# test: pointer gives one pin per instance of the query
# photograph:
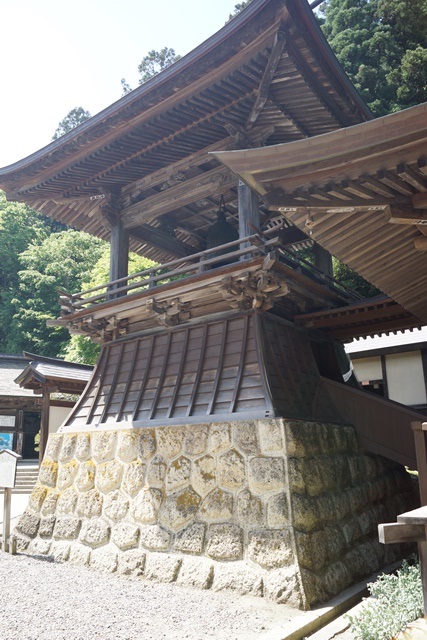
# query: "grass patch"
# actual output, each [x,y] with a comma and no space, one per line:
[396,600]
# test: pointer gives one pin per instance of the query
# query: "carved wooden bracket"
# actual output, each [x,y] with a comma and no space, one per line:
[102,330]
[171,313]
[253,291]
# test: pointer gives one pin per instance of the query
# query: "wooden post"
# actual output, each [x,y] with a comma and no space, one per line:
[44,421]
[119,250]
[6,517]
[419,429]
[323,260]
[249,220]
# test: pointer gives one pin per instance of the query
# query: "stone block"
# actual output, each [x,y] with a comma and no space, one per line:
[128,445]
[28,524]
[22,544]
[37,497]
[89,504]
[162,567]
[296,440]
[179,509]
[337,578]
[83,448]
[239,577]
[109,476]
[48,472]
[278,510]
[305,510]
[67,501]
[231,470]
[356,469]
[178,473]
[170,441]
[133,479]
[195,439]
[50,502]
[343,474]
[68,447]
[104,445]
[53,446]
[156,472]
[296,475]
[249,509]
[219,437]
[146,505]
[314,475]
[195,572]
[351,531]
[104,560]
[66,474]
[39,547]
[47,525]
[131,563]
[191,539]
[80,555]
[125,535]
[312,550]
[60,552]
[95,532]
[116,506]
[147,443]
[244,436]
[154,537]
[270,434]
[203,475]
[225,542]
[284,587]
[85,479]
[217,506]
[271,549]
[266,474]
[66,528]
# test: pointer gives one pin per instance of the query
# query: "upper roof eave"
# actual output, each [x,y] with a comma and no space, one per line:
[79,139]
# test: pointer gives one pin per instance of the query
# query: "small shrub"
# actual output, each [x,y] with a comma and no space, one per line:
[396,600]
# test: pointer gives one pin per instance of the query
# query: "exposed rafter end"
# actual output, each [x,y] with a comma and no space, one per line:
[420,244]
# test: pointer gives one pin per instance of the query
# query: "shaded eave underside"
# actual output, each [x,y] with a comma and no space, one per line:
[187,108]
[347,187]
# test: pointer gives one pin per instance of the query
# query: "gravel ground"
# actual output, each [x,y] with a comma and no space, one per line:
[50,601]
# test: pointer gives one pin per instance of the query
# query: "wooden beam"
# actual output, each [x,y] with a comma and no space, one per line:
[420,243]
[211,183]
[161,175]
[406,215]
[393,182]
[269,71]
[412,177]
[278,200]
[162,240]
[119,251]
[419,200]
[397,532]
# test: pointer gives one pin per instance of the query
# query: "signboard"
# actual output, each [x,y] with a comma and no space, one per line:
[8,460]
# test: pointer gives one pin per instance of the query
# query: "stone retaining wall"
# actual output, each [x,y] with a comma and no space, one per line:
[284,509]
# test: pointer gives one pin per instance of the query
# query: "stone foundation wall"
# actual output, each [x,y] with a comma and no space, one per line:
[284,509]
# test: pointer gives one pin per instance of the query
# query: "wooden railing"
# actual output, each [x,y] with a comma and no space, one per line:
[243,249]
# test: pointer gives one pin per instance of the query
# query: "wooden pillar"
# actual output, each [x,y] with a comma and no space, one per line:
[119,251]
[323,260]
[249,220]
[44,421]
[419,431]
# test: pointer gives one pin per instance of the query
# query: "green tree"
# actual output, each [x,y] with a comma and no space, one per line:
[382,46]
[156,61]
[238,8]
[19,227]
[61,261]
[76,116]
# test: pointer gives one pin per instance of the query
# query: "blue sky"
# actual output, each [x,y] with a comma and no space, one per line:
[57,55]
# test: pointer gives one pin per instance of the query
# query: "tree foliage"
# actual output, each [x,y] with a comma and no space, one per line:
[382,46]
[60,261]
[156,61]
[76,116]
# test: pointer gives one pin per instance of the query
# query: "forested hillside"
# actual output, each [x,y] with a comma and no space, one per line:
[381,44]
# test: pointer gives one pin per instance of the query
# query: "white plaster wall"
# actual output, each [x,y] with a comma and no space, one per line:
[57,416]
[368,369]
[405,378]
